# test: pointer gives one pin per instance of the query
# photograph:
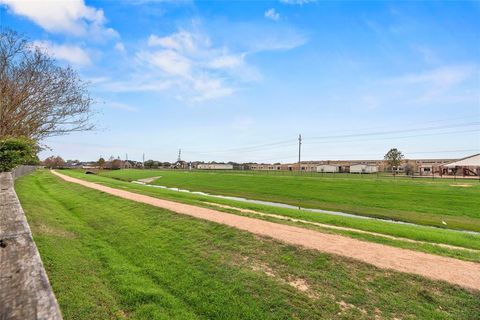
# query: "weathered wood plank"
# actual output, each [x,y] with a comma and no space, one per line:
[25,291]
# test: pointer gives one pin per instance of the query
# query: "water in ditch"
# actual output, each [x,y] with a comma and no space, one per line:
[288,206]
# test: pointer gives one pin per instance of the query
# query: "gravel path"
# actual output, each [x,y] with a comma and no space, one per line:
[463,273]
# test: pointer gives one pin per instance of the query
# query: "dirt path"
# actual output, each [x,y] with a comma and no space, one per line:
[329,226]
[463,273]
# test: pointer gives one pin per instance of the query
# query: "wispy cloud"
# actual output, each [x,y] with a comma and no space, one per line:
[447,85]
[190,59]
[272,14]
[70,17]
[70,53]
[428,55]
[437,84]
[119,47]
[193,67]
[297,2]
[120,106]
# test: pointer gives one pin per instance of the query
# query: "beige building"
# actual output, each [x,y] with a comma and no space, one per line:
[415,166]
[363,168]
[328,168]
[215,166]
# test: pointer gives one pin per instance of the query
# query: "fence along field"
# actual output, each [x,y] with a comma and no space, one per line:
[442,202]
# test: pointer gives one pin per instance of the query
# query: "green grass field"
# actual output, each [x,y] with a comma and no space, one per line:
[109,258]
[420,201]
[426,234]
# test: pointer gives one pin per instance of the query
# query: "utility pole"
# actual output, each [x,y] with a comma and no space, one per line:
[299,152]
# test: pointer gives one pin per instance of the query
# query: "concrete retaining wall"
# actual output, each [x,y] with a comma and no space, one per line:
[25,291]
[22,170]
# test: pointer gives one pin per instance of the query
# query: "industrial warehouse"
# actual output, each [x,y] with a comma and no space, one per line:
[468,166]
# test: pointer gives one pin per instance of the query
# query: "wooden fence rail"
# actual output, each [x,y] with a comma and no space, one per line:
[25,291]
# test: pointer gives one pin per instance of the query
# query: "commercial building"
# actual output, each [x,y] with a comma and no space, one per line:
[215,166]
[363,168]
[469,166]
[328,168]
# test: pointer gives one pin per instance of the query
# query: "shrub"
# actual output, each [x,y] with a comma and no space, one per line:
[15,151]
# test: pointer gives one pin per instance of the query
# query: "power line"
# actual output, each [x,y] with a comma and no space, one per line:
[412,123]
[395,131]
[284,143]
[394,138]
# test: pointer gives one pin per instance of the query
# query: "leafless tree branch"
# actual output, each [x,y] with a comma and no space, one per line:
[39,98]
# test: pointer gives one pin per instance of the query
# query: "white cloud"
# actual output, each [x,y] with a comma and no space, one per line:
[120,47]
[210,88]
[120,106]
[181,41]
[194,68]
[436,84]
[428,55]
[442,78]
[70,53]
[200,70]
[70,17]
[136,84]
[227,61]
[169,61]
[272,14]
[297,2]
[447,85]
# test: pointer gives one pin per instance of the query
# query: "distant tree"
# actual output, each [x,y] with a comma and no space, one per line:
[408,169]
[101,163]
[116,164]
[394,158]
[148,164]
[15,151]
[54,162]
[39,98]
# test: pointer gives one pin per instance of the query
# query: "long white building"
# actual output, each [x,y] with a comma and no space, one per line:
[215,166]
[363,168]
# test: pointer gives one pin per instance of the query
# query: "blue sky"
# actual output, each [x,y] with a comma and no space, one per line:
[239,80]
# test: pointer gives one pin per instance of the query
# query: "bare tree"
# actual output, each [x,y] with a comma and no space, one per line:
[53,162]
[38,97]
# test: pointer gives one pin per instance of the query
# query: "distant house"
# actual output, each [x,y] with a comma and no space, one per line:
[128,164]
[180,164]
[328,168]
[215,166]
[363,168]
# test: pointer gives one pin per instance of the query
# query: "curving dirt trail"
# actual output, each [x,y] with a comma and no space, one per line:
[462,273]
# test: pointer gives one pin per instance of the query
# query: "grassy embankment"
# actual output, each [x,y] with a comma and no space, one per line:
[426,234]
[112,258]
[420,201]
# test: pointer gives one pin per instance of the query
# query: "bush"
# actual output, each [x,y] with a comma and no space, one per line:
[15,151]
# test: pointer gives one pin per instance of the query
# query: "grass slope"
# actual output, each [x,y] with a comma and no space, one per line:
[420,233]
[421,201]
[109,258]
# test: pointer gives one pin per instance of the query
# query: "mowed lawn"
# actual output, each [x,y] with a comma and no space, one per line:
[421,201]
[109,258]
